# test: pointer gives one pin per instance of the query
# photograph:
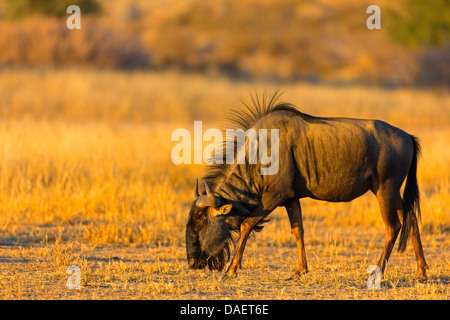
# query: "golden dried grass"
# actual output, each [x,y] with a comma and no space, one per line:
[79,172]
[95,164]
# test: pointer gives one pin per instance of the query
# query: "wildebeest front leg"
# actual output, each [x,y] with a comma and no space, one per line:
[246,227]
[295,217]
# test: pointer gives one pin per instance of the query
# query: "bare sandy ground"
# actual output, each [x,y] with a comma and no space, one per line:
[337,270]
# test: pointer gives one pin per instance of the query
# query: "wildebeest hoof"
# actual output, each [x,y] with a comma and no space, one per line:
[422,276]
[296,275]
[227,276]
[422,272]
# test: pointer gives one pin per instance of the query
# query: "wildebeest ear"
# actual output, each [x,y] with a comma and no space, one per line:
[223,210]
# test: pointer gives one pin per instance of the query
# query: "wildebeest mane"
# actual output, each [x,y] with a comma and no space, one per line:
[245,118]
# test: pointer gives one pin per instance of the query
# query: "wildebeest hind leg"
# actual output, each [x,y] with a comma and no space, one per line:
[418,249]
[295,217]
[390,204]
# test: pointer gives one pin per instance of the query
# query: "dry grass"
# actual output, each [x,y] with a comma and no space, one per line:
[86,179]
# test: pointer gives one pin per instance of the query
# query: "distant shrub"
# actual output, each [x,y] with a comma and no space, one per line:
[435,66]
[16,9]
[420,23]
[284,39]
[47,41]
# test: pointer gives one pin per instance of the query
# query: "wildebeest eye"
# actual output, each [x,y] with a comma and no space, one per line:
[200,213]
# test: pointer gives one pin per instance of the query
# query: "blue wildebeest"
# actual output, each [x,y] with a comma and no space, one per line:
[330,159]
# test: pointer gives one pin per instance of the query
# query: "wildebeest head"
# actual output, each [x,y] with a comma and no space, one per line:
[207,235]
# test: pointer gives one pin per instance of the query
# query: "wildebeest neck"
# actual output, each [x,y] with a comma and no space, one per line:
[237,189]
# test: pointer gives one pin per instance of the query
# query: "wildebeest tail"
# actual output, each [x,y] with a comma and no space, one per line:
[411,198]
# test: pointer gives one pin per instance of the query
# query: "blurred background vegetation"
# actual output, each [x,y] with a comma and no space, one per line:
[284,40]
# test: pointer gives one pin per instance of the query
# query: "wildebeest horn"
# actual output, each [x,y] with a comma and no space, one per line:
[214,201]
[196,189]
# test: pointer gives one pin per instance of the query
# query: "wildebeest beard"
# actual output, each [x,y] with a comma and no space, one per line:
[215,240]
[209,237]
